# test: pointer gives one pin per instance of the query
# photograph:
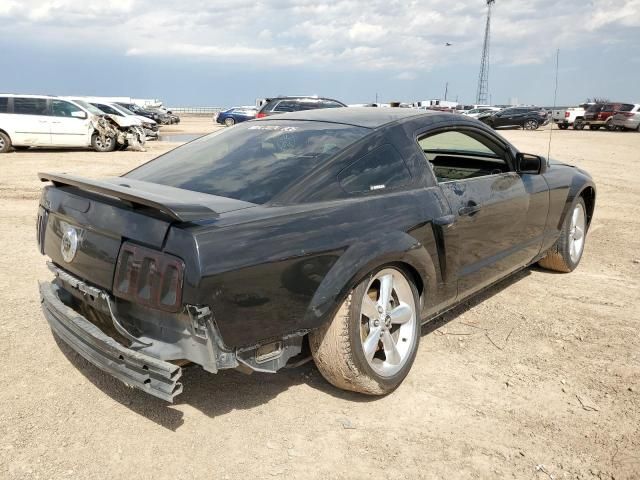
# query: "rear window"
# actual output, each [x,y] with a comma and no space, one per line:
[4,104]
[626,107]
[253,161]
[30,106]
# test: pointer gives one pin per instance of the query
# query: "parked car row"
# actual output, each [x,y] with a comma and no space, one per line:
[274,106]
[609,115]
[50,121]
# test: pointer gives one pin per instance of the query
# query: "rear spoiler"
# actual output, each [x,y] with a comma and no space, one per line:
[171,206]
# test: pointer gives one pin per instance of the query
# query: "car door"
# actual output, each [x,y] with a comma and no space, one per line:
[498,216]
[70,125]
[31,121]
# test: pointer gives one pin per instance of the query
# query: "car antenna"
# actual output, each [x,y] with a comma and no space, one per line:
[555,98]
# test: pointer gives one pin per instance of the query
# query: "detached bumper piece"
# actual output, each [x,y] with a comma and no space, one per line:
[153,376]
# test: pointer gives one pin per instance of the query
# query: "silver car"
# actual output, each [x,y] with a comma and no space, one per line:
[627,118]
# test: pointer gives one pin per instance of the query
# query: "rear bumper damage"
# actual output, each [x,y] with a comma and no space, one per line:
[189,336]
[156,377]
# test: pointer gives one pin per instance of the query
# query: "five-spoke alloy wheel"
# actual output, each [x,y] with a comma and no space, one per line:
[565,255]
[370,344]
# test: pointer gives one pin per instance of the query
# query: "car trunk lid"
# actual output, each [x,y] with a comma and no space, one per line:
[82,223]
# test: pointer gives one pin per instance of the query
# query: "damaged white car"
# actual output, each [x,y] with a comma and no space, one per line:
[48,121]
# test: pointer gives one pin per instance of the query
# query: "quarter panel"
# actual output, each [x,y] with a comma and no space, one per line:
[287,270]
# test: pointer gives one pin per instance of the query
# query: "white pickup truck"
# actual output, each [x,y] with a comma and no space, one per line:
[572,116]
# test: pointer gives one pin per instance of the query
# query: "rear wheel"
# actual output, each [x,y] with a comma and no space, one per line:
[372,341]
[5,143]
[229,122]
[563,126]
[530,125]
[103,144]
[565,255]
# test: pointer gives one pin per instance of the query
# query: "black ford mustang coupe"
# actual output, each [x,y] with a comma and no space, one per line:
[334,233]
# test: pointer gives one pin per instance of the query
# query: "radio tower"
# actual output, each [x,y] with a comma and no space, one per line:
[483,79]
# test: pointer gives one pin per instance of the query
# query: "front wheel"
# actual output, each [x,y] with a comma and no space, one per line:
[565,255]
[5,142]
[229,122]
[530,125]
[103,144]
[578,124]
[371,343]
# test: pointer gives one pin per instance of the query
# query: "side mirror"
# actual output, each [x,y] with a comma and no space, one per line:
[530,164]
[79,114]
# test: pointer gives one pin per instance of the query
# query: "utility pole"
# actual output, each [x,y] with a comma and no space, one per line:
[446,90]
[483,78]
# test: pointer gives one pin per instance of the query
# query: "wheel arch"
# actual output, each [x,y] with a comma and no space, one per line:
[588,194]
[397,249]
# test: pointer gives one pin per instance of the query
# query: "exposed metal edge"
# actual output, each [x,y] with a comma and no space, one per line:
[151,375]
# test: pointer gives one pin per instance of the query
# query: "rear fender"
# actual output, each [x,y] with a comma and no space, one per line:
[358,262]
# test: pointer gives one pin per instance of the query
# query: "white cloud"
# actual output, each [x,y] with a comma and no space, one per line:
[406,76]
[402,35]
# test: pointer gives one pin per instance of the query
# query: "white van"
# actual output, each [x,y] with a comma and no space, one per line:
[47,121]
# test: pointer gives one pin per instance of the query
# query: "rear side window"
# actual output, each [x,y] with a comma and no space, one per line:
[381,169]
[30,106]
[626,107]
[4,104]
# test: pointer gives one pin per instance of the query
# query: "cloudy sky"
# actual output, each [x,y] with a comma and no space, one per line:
[226,52]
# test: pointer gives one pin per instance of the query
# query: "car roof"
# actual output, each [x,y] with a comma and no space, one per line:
[368,117]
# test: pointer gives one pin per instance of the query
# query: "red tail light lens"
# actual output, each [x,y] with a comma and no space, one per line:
[149,277]
[261,115]
[566,114]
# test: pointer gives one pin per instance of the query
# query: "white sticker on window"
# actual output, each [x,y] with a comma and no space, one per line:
[273,127]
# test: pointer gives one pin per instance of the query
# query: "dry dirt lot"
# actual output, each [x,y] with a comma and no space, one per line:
[539,378]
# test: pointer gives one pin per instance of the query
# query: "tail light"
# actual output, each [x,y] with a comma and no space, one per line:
[149,277]
[261,115]
[566,114]
[627,114]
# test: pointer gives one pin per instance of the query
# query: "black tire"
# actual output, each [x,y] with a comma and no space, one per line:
[108,144]
[337,346]
[229,122]
[558,258]
[5,143]
[530,125]
[578,124]
[563,127]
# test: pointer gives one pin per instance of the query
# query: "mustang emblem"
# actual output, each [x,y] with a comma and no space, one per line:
[69,243]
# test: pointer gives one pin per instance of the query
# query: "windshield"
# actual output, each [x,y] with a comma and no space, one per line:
[253,161]
[90,108]
[121,109]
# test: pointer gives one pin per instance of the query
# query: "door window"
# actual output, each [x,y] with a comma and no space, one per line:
[381,169]
[460,155]
[30,106]
[60,108]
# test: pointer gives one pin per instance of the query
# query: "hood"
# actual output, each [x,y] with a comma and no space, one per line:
[145,119]
[125,122]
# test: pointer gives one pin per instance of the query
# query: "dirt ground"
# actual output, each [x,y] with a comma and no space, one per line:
[538,378]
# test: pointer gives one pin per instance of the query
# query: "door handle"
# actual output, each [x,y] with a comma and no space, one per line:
[470,209]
